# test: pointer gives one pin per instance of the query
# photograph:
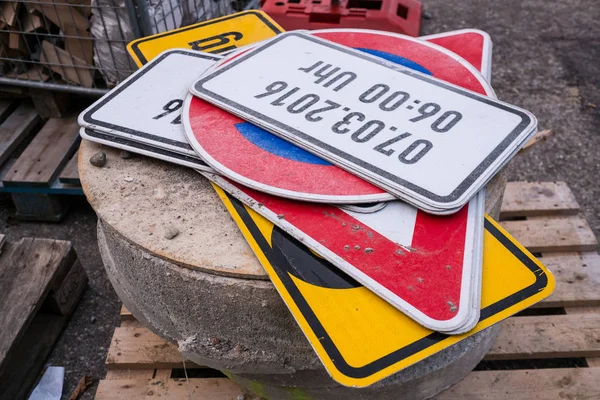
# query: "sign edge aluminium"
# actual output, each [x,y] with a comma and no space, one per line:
[122,143]
[486,62]
[458,196]
[86,118]
[363,376]
[140,58]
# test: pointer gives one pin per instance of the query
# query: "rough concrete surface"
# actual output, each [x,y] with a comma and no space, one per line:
[546,59]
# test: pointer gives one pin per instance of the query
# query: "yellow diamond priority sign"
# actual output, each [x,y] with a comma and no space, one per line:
[359,337]
[215,36]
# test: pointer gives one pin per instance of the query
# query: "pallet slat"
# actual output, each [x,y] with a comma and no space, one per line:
[552,336]
[16,128]
[137,374]
[558,234]
[591,361]
[47,153]
[6,107]
[70,173]
[576,334]
[138,348]
[534,199]
[547,336]
[544,384]
[207,388]
[40,283]
[577,279]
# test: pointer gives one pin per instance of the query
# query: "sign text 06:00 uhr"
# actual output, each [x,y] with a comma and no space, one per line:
[379,94]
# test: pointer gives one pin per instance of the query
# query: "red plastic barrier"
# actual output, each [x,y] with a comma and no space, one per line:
[401,16]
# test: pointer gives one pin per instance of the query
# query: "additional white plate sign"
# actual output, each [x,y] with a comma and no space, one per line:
[415,136]
[146,108]
[143,149]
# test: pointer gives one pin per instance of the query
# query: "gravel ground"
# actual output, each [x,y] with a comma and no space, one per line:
[546,59]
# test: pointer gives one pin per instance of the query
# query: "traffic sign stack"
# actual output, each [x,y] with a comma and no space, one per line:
[354,162]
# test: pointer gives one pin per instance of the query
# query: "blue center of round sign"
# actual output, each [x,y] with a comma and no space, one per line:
[282,148]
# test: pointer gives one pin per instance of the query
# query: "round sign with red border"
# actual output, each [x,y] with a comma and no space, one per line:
[260,160]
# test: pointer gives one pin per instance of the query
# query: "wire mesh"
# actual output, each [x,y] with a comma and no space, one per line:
[80,45]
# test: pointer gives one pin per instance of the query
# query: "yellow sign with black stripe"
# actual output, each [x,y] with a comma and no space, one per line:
[359,337]
[215,36]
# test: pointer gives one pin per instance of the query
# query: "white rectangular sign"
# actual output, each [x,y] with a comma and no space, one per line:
[413,135]
[144,149]
[147,106]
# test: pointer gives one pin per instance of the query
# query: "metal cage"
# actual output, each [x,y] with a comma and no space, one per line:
[79,46]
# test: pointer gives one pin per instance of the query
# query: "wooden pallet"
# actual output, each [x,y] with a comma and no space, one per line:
[41,282]
[37,165]
[544,218]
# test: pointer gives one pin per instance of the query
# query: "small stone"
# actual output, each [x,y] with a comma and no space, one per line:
[146,256]
[98,159]
[214,341]
[427,15]
[125,155]
[357,247]
[171,232]
[241,397]
[128,179]
[346,247]
[93,320]
[368,250]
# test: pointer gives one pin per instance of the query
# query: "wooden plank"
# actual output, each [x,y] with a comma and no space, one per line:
[540,384]
[125,314]
[138,348]
[529,199]
[558,234]
[16,128]
[577,279]
[131,323]
[547,336]
[68,18]
[70,173]
[540,136]
[591,361]
[29,272]
[163,373]
[207,388]
[24,362]
[136,374]
[6,107]
[66,293]
[51,104]
[71,68]
[43,159]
